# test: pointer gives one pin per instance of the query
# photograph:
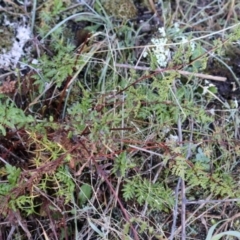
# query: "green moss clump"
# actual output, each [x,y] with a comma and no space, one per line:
[123,9]
[6,36]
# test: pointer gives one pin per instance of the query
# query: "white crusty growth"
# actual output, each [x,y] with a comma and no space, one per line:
[10,58]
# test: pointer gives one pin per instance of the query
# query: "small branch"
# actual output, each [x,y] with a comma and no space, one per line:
[175,211]
[183,189]
[205,76]
[145,150]
[213,201]
[183,213]
[152,6]
[12,154]
[6,74]
[185,73]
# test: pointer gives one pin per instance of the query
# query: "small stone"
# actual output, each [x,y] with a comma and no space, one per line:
[145,27]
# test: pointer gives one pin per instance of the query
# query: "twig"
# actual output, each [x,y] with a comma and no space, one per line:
[11,13]
[189,151]
[6,74]
[152,7]
[183,213]
[175,212]
[12,154]
[183,190]
[205,76]
[213,201]
[145,150]
[186,73]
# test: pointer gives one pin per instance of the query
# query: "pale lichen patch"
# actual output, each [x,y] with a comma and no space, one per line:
[15,37]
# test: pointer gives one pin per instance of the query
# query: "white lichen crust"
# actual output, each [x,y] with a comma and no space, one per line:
[9,57]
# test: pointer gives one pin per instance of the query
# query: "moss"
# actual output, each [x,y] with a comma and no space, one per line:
[123,9]
[6,36]
[7,32]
